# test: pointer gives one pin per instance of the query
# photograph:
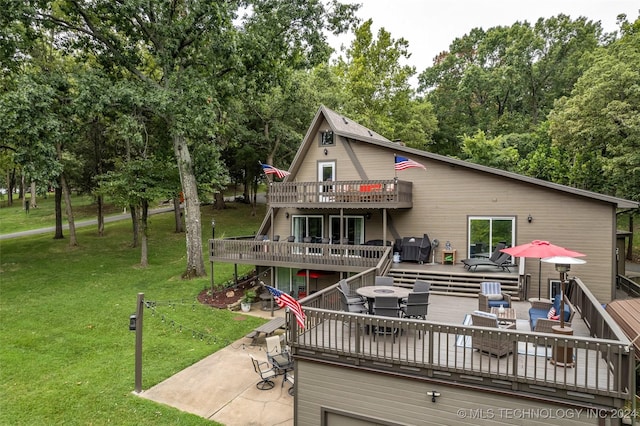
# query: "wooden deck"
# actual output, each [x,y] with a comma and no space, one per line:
[440,348]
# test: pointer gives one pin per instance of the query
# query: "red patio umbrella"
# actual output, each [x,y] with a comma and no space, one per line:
[540,249]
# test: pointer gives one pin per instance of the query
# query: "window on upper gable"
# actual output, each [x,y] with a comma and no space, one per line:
[326,138]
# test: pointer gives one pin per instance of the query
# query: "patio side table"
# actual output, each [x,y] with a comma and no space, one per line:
[449,257]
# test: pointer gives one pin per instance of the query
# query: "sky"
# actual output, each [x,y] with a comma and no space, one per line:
[431,26]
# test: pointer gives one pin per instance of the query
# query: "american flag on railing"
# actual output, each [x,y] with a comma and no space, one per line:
[270,170]
[284,300]
[403,163]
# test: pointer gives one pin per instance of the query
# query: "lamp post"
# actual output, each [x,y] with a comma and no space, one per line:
[563,352]
[213,236]
[563,265]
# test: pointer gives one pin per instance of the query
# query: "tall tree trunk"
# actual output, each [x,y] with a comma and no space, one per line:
[33,199]
[58,208]
[98,159]
[100,216]
[73,241]
[67,202]
[135,223]
[195,258]
[219,201]
[144,251]
[24,198]
[177,215]
[629,255]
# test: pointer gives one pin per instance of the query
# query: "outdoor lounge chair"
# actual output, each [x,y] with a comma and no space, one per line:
[503,261]
[478,258]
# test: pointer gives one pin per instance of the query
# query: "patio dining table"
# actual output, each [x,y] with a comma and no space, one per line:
[371,291]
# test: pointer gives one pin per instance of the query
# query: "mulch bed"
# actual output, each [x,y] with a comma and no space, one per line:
[227,295]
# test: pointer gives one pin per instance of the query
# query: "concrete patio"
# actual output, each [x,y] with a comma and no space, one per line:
[222,387]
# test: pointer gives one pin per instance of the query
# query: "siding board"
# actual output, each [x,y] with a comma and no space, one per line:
[404,401]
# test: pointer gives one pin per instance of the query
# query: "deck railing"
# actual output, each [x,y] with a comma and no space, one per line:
[627,285]
[599,369]
[390,193]
[339,257]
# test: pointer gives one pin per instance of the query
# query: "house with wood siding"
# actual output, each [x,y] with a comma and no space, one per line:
[344,211]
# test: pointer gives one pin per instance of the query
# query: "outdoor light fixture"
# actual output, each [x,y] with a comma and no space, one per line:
[368,215]
[213,228]
[433,395]
[326,151]
[530,218]
[132,322]
[286,215]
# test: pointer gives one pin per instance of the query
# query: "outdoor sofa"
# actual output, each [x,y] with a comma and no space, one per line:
[539,314]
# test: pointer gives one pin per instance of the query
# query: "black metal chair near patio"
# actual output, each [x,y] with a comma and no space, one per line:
[352,296]
[420,286]
[417,306]
[386,306]
[356,306]
[265,373]
[384,280]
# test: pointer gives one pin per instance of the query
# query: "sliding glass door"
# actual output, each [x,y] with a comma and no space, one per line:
[486,232]
[353,228]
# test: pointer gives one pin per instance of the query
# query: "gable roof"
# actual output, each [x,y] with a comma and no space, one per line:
[348,128]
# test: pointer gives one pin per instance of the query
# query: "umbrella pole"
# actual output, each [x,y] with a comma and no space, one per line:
[539,277]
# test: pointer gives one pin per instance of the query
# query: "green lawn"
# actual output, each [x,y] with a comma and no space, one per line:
[67,355]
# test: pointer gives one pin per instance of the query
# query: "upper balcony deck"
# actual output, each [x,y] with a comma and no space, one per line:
[369,194]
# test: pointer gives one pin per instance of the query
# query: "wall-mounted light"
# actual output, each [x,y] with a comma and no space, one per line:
[326,151]
[132,322]
[529,218]
[286,215]
[433,395]
[368,215]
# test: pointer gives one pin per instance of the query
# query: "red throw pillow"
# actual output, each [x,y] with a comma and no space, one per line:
[556,317]
[551,313]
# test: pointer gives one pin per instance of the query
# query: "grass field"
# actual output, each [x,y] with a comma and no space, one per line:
[67,355]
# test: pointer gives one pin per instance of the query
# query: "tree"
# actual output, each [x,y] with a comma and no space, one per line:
[489,152]
[376,89]
[599,124]
[185,55]
[504,80]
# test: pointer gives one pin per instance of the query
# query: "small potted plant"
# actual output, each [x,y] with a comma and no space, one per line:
[247,300]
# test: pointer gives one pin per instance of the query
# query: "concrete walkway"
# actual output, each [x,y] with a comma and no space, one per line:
[222,387]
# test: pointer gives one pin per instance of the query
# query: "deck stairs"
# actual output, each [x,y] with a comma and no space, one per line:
[455,282]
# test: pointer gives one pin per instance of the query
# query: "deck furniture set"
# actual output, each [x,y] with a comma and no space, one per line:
[279,363]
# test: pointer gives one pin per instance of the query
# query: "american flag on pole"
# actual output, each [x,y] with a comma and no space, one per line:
[270,170]
[284,300]
[403,163]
